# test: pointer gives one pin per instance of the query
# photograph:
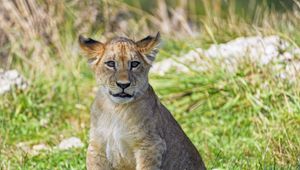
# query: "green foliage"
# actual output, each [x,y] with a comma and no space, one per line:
[245,120]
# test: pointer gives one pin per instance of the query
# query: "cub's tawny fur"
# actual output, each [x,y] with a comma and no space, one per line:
[130,128]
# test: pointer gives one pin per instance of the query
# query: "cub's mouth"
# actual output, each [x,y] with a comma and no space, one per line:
[121,95]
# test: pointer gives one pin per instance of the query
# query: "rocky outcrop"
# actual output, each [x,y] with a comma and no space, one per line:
[281,54]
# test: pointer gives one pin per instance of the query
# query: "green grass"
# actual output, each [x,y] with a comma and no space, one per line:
[246,120]
[239,121]
[55,102]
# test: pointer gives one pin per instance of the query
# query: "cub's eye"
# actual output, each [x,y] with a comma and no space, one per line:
[134,64]
[111,64]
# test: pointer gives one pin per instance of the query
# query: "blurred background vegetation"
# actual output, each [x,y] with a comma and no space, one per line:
[220,112]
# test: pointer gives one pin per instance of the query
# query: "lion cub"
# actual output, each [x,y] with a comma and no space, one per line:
[130,128]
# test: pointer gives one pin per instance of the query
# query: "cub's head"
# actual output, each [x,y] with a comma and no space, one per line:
[121,65]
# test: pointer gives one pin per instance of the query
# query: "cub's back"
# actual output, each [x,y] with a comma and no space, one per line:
[180,154]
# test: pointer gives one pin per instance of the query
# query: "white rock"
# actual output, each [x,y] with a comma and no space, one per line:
[4,86]
[69,143]
[256,49]
[10,79]
[11,74]
[40,147]
[18,81]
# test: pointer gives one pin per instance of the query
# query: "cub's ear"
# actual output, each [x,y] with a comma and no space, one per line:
[149,47]
[94,49]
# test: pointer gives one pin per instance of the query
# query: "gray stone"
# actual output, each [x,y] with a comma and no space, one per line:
[10,79]
[70,143]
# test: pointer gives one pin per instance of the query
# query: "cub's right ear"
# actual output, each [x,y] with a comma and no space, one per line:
[94,49]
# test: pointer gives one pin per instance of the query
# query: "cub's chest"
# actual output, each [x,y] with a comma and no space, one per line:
[117,135]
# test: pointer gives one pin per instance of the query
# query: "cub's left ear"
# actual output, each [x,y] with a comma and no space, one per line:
[149,47]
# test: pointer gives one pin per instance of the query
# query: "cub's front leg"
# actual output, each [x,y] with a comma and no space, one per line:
[96,158]
[149,155]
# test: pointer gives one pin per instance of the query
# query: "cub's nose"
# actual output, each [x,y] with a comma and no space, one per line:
[123,85]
